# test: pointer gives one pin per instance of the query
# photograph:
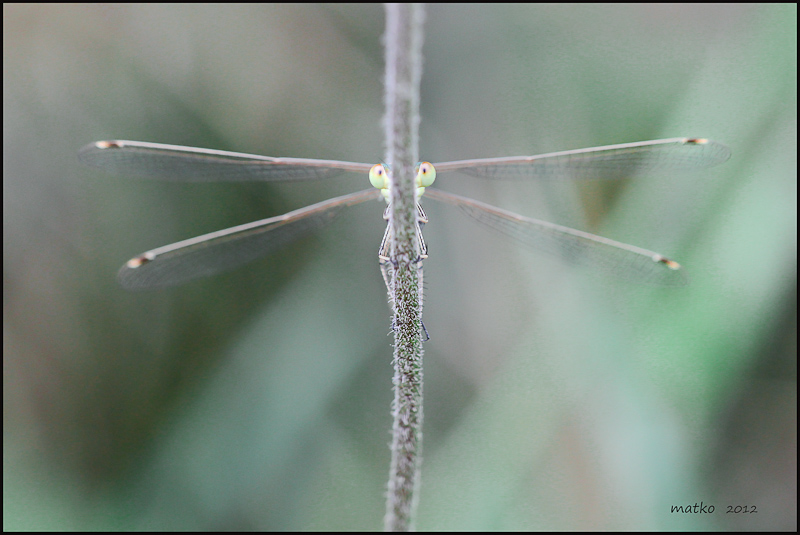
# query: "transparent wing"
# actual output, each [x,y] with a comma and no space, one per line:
[624,261]
[191,164]
[612,161]
[226,249]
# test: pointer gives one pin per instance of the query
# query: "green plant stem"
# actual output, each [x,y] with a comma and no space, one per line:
[403,42]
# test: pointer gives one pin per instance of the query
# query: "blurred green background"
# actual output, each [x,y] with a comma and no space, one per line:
[259,399]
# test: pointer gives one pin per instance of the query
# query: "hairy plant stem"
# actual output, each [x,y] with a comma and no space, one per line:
[403,41]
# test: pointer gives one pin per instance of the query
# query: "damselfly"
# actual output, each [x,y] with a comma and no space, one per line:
[225,249]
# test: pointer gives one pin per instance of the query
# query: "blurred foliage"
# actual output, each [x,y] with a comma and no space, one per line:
[260,399]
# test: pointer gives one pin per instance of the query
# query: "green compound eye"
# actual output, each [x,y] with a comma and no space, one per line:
[426,174]
[378,176]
